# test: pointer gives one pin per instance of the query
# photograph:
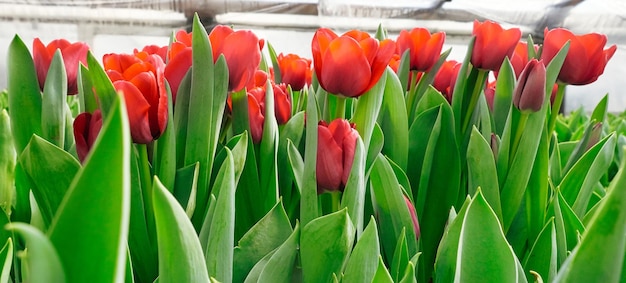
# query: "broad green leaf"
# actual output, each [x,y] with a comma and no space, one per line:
[53,102]
[376,145]
[180,253]
[209,88]
[268,152]
[409,274]
[51,171]
[102,86]
[368,107]
[296,163]
[363,261]
[505,84]
[393,121]
[325,244]
[275,66]
[424,85]
[572,224]
[382,274]
[484,254]
[266,235]
[164,154]
[538,191]
[459,101]
[86,227]
[279,267]
[7,162]
[353,197]
[400,257]
[542,257]
[219,249]
[577,185]
[24,96]
[186,187]
[308,186]
[7,254]
[404,71]
[41,259]
[446,260]
[599,112]
[482,172]
[600,254]
[86,96]
[391,208]
[255,273]
[292,131]
[181,117]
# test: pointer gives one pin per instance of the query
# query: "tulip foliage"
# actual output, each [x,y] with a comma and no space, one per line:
[205,161]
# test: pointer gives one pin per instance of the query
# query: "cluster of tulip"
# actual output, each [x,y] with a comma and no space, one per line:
[223,164]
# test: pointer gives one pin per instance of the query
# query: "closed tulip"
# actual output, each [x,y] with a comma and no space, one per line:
[586,57]
[416,225]
[530,91]
[295,70]
[242,51]
[140,79]
[350,64]
[424,47]
[446,78]
[336,143]
[72,53]
[493,44]
[86,129]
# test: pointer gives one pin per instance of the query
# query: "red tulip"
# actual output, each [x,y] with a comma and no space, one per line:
[530,91]
[242,50]
[446,78]
[336,143]
[295,70]
[351,64]
[86,129]
[140,79]
[179,61]
[493,44]
[73,53]
[154,49]
[490,94]
[394,63]
[586,58]
[416,225]
[424,47]
[520,57]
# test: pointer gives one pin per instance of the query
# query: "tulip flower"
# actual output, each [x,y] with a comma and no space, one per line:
[350,64]
[295,70]
[424,47]
[416,225]
[336,143]
[446,78]
[86,129]
[154,49]
[140,78]
[242,50]
[530,91]
[493,44]
[586,57]
[490,94]
[520,57]
[179,61]
[72,53]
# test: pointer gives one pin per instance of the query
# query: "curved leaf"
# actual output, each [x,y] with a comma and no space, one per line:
[363,262]
[42,261]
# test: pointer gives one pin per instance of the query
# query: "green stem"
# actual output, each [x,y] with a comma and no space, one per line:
[478,87]
[335,201]
[556,106]
[340,108]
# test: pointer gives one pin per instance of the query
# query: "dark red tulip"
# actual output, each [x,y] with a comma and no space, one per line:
[424,47]
[530,91]
[86,129]
[295,70]
[140,78]
[179,61]
[351,64]
[336,143]
[586,57]
[493,44]
[446,78]
[490,94]
[416,225]
[73,53]
[242,50]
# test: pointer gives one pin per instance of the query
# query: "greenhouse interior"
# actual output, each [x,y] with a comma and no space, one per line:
[312,141]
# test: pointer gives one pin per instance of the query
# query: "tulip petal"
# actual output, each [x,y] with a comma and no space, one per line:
[137,108]
[345,68]
[217,37]
[73,55]
[282,104]
[255,119]
[329,166]
[42,60]
[319,45]
[177,68]
[383,56]
[242,56]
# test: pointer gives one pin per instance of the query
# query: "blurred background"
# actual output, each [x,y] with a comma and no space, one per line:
[119,26]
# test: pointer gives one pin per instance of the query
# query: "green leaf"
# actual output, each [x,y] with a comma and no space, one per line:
[446,261]
[599,112]
[41,259]
[484,254]
[180,253]
[368,107]
[181,117]
[363,262]
[7,162]
[86,227]
[275,66]
[219,249]
[391,208]
[542,257]
[400,257]
[186,187]
[424,85]
[279,267]
[53,102]
[325,244]
[268,151]
[505,84]
[308,188]
[409,274]
[266,235]
[7,254]
[482,172]
[571,223]
[393,121]
[164,155]
[104,90]
[86,96]
[51,171]
[600,254]
[382,274]
[24,96]
[353,197]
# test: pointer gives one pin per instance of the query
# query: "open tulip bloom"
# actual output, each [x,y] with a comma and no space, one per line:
[384,161]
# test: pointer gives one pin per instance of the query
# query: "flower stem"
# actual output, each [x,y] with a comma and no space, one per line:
[340,109]
[335,201]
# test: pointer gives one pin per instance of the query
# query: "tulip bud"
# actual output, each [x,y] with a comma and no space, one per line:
[416,225]
[86,129]
[336,143]
[530,91]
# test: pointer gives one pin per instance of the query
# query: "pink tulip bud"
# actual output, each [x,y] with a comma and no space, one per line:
[530,91]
